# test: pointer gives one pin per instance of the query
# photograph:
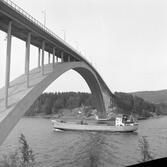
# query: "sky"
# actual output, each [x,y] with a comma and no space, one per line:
[125,40]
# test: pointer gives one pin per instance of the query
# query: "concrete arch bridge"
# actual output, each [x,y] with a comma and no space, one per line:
[18,95]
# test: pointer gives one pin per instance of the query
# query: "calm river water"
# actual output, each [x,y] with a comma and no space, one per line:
[87,149]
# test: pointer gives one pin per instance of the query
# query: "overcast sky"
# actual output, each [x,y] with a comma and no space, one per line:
[126,40]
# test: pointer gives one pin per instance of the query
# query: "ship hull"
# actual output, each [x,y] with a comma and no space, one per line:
[93,127]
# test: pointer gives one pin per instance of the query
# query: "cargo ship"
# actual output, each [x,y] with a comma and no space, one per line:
[120,123]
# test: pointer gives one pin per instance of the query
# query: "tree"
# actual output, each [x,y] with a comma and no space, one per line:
[27,156]
[22,157]
[47,107]
[145,149]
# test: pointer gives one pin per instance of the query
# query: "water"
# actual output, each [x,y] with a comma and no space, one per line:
[84,149]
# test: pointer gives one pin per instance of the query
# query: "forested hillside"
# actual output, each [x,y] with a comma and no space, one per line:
[51,103]
[128,103]
[159,96]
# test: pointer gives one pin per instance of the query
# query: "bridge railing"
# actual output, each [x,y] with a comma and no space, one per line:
[42,26]
[36,22]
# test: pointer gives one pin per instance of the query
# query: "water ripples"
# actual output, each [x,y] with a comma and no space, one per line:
[88,149]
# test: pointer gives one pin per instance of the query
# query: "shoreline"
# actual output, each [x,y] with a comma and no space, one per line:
[55,116]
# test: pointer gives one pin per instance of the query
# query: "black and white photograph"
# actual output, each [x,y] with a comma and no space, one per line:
[83,83]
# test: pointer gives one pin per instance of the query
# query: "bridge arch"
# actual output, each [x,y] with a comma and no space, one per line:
[17,110]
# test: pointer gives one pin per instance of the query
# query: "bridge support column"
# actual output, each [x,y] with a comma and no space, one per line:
[43,51]
[39,57]
[48,58]
[53,62]
[28,42]
[8,60]
[56,59]
[68,58]
[62,56]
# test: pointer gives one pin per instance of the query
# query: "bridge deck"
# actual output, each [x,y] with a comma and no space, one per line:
[18,89]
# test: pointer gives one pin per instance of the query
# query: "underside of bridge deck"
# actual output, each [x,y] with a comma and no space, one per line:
[22,97]
[17,96]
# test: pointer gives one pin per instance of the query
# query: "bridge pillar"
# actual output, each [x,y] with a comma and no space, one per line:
[39,57]
[62,56]
[8,60]
[43,52]
[27,64]
[68,58]
[56,59]
[53,61]
[48,58]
